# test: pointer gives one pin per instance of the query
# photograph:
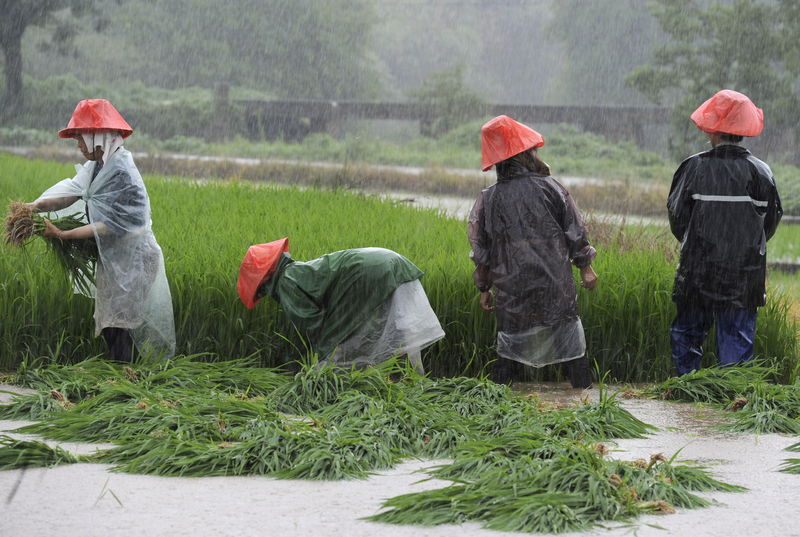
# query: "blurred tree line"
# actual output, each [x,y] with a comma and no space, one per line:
[455,54]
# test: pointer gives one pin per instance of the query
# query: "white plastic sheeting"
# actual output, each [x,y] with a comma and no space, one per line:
[404,324]
[132,289]
[543,345]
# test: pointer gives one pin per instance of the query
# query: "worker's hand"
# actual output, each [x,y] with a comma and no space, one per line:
[50,230]
[588,278]
[33,206]
[487,302]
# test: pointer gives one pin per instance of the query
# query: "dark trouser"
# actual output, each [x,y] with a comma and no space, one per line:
[578,371]
[120,344]
[736,334]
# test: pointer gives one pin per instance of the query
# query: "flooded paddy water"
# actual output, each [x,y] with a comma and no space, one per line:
[89,500]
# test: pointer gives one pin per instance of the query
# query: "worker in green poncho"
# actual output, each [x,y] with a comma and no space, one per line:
[354,307]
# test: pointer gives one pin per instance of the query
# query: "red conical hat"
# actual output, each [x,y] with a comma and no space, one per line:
[95,115]
[258,265]
[502,138]
[729,112]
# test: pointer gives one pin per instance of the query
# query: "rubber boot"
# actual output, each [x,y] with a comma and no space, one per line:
[579,372]
[505,371]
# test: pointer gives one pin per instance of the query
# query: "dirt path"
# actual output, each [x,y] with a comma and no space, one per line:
[87,500]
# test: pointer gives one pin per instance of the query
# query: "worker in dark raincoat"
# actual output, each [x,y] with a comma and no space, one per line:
[354,307]
[526,233]
[723,208]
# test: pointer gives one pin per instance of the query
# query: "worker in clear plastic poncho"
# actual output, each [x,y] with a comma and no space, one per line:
[353,307]
[133,307]
[526,233]
[723,208]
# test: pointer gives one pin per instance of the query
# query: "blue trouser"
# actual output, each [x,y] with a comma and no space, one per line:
[736,334]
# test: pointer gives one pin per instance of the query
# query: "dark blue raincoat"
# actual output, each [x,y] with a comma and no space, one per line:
[723,208]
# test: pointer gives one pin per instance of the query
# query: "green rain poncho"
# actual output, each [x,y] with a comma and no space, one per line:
[330,297]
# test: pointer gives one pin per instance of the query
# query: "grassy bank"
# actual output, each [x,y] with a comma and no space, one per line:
[205,229]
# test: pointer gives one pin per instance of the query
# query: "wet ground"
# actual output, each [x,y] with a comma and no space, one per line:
[88,500]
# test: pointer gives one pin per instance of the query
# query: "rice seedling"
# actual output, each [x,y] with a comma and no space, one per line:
[76,257]
[791,466]
[515,464]
[712,384]
[15,453]
[571,487]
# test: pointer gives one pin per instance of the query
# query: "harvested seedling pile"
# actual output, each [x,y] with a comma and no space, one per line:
[78,257]
[759,404]
[517,465]
[16,453]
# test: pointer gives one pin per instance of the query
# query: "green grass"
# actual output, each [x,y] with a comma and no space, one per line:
[785,244]
[205,229]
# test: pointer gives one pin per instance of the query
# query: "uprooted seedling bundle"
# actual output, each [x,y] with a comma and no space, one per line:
[516,464]
[77,256]
[759,404]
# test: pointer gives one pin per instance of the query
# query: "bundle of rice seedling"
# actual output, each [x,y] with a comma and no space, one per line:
[77,256]
[15,453]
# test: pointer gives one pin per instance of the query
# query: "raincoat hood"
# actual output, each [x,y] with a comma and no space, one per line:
[95,115]
[502,138]
[729,112]
[258,266]
[110,141]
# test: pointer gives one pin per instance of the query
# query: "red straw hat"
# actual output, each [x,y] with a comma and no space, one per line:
[729,112]
[95,115]
[502,138]
[258,265]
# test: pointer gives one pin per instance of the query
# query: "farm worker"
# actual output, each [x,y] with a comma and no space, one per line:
[354,307]
[723,208]
[133,307]
[525,232]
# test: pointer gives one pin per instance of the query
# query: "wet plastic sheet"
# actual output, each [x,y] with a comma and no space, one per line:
[132,290]
[331,297]
[526,233]
[404,324]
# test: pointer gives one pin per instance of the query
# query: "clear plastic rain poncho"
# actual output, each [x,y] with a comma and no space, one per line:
[132,291]
[526,233]
[356,306]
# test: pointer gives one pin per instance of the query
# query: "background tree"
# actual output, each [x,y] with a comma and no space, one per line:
[600,43]
[450,101]
[739,46]
[284,48]
[17,16]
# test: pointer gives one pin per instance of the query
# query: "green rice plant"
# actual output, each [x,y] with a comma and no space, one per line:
[625,318]
[601,420]
[713,384]
[791,466]
[769,408]
[76,257]
[33,406]
[572,488]
[15,453]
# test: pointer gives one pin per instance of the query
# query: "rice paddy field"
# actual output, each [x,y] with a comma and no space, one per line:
[204,229]
[257,430]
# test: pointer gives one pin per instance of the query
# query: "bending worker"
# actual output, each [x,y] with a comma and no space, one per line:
[723,208]
[354,307]
[133,306]
[525,233]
